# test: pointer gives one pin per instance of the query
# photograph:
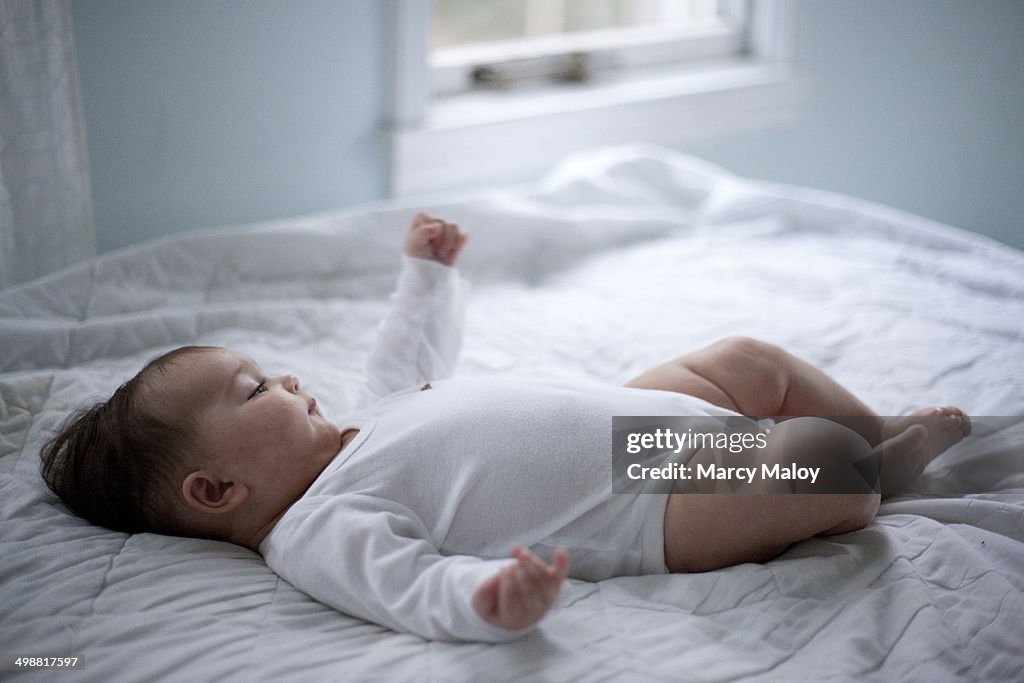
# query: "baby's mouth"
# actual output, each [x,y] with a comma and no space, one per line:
[313,409]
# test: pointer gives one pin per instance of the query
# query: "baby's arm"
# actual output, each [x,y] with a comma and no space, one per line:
[419,339]
[519,595]
[370,558]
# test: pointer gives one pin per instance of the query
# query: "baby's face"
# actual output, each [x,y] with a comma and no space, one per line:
[254,429]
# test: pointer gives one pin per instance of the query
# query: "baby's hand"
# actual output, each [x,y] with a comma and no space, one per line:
[435,240]
[520,594]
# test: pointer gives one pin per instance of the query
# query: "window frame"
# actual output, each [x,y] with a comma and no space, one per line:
[487,137]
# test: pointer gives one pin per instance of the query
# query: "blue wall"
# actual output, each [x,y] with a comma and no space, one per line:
[223,111]
[918,104]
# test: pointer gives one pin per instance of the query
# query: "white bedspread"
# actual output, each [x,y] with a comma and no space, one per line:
[621,259]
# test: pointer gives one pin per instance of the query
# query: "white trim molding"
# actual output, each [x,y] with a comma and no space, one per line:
[511,136]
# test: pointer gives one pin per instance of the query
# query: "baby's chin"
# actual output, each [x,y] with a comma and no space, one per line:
[329,441]
[337,438]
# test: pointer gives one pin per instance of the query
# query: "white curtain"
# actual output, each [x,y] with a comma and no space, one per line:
[45,196]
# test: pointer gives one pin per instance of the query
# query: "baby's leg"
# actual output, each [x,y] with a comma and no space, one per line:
[760,379]
[705,531]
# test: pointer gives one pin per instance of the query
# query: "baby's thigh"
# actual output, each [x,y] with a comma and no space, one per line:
[705,531]
[678,376]
[741,374]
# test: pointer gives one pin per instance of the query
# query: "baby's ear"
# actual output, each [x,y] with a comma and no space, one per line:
[206,492]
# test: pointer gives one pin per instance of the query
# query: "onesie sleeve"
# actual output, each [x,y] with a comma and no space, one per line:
[374,563]
[419,339]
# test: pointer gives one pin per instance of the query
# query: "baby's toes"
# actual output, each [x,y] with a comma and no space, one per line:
[955,420]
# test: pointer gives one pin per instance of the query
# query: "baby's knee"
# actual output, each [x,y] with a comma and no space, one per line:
[747,348]
[845,475]
[818,437]
[760,363]
[840,457]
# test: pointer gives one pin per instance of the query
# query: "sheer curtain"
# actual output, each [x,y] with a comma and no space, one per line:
[45,197]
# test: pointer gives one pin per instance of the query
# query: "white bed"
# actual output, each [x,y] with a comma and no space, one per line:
[620,259]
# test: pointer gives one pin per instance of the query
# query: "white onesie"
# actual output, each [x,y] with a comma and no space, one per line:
[426,502]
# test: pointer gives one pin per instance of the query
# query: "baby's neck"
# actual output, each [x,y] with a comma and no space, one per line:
[253,541]
[251,536]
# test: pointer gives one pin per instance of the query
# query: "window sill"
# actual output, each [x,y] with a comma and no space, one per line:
[483,138]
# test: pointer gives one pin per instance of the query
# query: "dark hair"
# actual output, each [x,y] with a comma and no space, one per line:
[114,462]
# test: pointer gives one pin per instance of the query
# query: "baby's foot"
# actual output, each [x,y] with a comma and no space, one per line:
[946,426]
[909,443]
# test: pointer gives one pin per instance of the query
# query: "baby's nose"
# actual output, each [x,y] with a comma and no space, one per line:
[291,382]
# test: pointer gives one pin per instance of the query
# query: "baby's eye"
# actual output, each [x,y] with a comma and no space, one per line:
[260,388]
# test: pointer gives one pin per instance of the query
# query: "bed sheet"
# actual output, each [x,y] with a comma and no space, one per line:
[619,259]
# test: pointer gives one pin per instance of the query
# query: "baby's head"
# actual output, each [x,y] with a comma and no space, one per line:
[201,442]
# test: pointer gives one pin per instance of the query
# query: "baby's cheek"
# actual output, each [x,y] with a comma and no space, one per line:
[284,424]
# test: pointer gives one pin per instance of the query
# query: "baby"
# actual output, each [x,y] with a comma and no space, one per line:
[404,512]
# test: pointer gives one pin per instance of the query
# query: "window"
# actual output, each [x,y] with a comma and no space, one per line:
[498,90]
[503,44]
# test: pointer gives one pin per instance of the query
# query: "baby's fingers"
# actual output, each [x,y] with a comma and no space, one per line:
[449,243]
[421,235]
[422,219]
[514,603]
[559,569]
[533,592]
[561,565]
[544,581]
